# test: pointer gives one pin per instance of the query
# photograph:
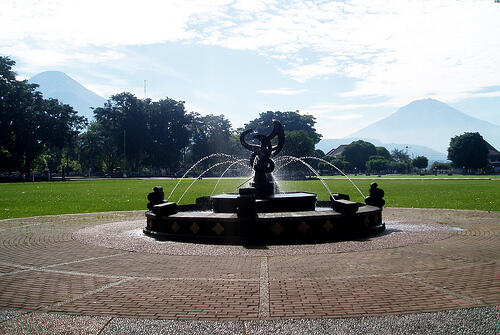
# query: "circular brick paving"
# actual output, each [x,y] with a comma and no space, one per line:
[128,236]
[429,260]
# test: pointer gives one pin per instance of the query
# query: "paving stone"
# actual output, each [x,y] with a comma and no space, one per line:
[42,266]
[35,289]
[173,299]
[165,266]
[481,282]
[356,297]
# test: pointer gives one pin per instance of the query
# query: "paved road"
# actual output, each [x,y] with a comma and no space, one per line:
[50,281]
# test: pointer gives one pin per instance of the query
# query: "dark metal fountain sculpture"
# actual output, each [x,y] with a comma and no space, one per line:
[261,213]
[261,161]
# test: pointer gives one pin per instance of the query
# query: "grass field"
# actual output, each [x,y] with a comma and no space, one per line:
[43,198]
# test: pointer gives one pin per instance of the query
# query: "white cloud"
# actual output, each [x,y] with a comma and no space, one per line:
[400,49]
[94,22]
[346,117]
[282,91]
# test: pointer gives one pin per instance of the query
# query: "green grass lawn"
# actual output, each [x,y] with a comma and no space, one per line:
[43,198]
[431,176]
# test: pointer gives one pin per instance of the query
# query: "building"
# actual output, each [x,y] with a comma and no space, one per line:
[494,158]
[337,151]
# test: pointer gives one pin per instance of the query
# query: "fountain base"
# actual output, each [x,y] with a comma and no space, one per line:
[278,227]
[281,202]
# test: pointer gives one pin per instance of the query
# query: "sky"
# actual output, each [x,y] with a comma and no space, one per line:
[348,63]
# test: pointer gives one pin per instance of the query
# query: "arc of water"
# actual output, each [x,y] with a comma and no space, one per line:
[210,168]
[239,161]
[310,168]
[192,167]
[286,159]
[339,170]
[246,181]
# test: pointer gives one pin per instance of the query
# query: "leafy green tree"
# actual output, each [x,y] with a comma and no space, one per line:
[29,123]
[65,124]
[377,165]
[291,121]
[169,133]
[338,162]
[358,153]
[235,147]
[124,122]
[319,153]
[440,166]
[420,162]
[469,151]
[210,134]
[298,144]
[377,157]
[399,167]
[400,155]
[91,148]
[383,152]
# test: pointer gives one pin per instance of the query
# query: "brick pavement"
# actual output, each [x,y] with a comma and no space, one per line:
[42,268]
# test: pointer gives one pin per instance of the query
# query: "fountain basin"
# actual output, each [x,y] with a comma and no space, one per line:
[319,225]
[280,202]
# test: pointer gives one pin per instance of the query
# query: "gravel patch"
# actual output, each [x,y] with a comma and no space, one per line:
[6,314]
[485,320]
[53,323]
[161,327]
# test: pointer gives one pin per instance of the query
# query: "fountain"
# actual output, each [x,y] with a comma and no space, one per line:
[261,214]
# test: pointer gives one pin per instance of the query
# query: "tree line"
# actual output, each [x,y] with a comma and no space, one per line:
[145,137]
[364,157]
[128,134]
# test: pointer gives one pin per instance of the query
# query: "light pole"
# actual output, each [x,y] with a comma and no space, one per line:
[124,153]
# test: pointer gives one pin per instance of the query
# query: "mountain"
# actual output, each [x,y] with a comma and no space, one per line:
[58,85]
[413,149]
[428,123]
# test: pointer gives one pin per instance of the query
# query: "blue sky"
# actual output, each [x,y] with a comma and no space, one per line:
[348,63]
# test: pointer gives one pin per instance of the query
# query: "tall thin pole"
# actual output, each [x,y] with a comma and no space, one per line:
[124,152]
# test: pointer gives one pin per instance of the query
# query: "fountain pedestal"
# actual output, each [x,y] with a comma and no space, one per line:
[281,202]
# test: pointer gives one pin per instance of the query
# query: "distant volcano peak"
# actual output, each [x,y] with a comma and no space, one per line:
[58,85]
[430,123]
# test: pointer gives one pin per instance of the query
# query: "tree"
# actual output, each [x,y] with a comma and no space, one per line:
[377,165]
[124,122]
[90,146]
[22,125]
[169,133]
[399,167]
[291,121]
[469,151]
[65,125]
[358,153]
[420,162]
[383,152]
[298,144]
[400,155]
[30,124]
[337,161]
[440,166]
[209,134]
